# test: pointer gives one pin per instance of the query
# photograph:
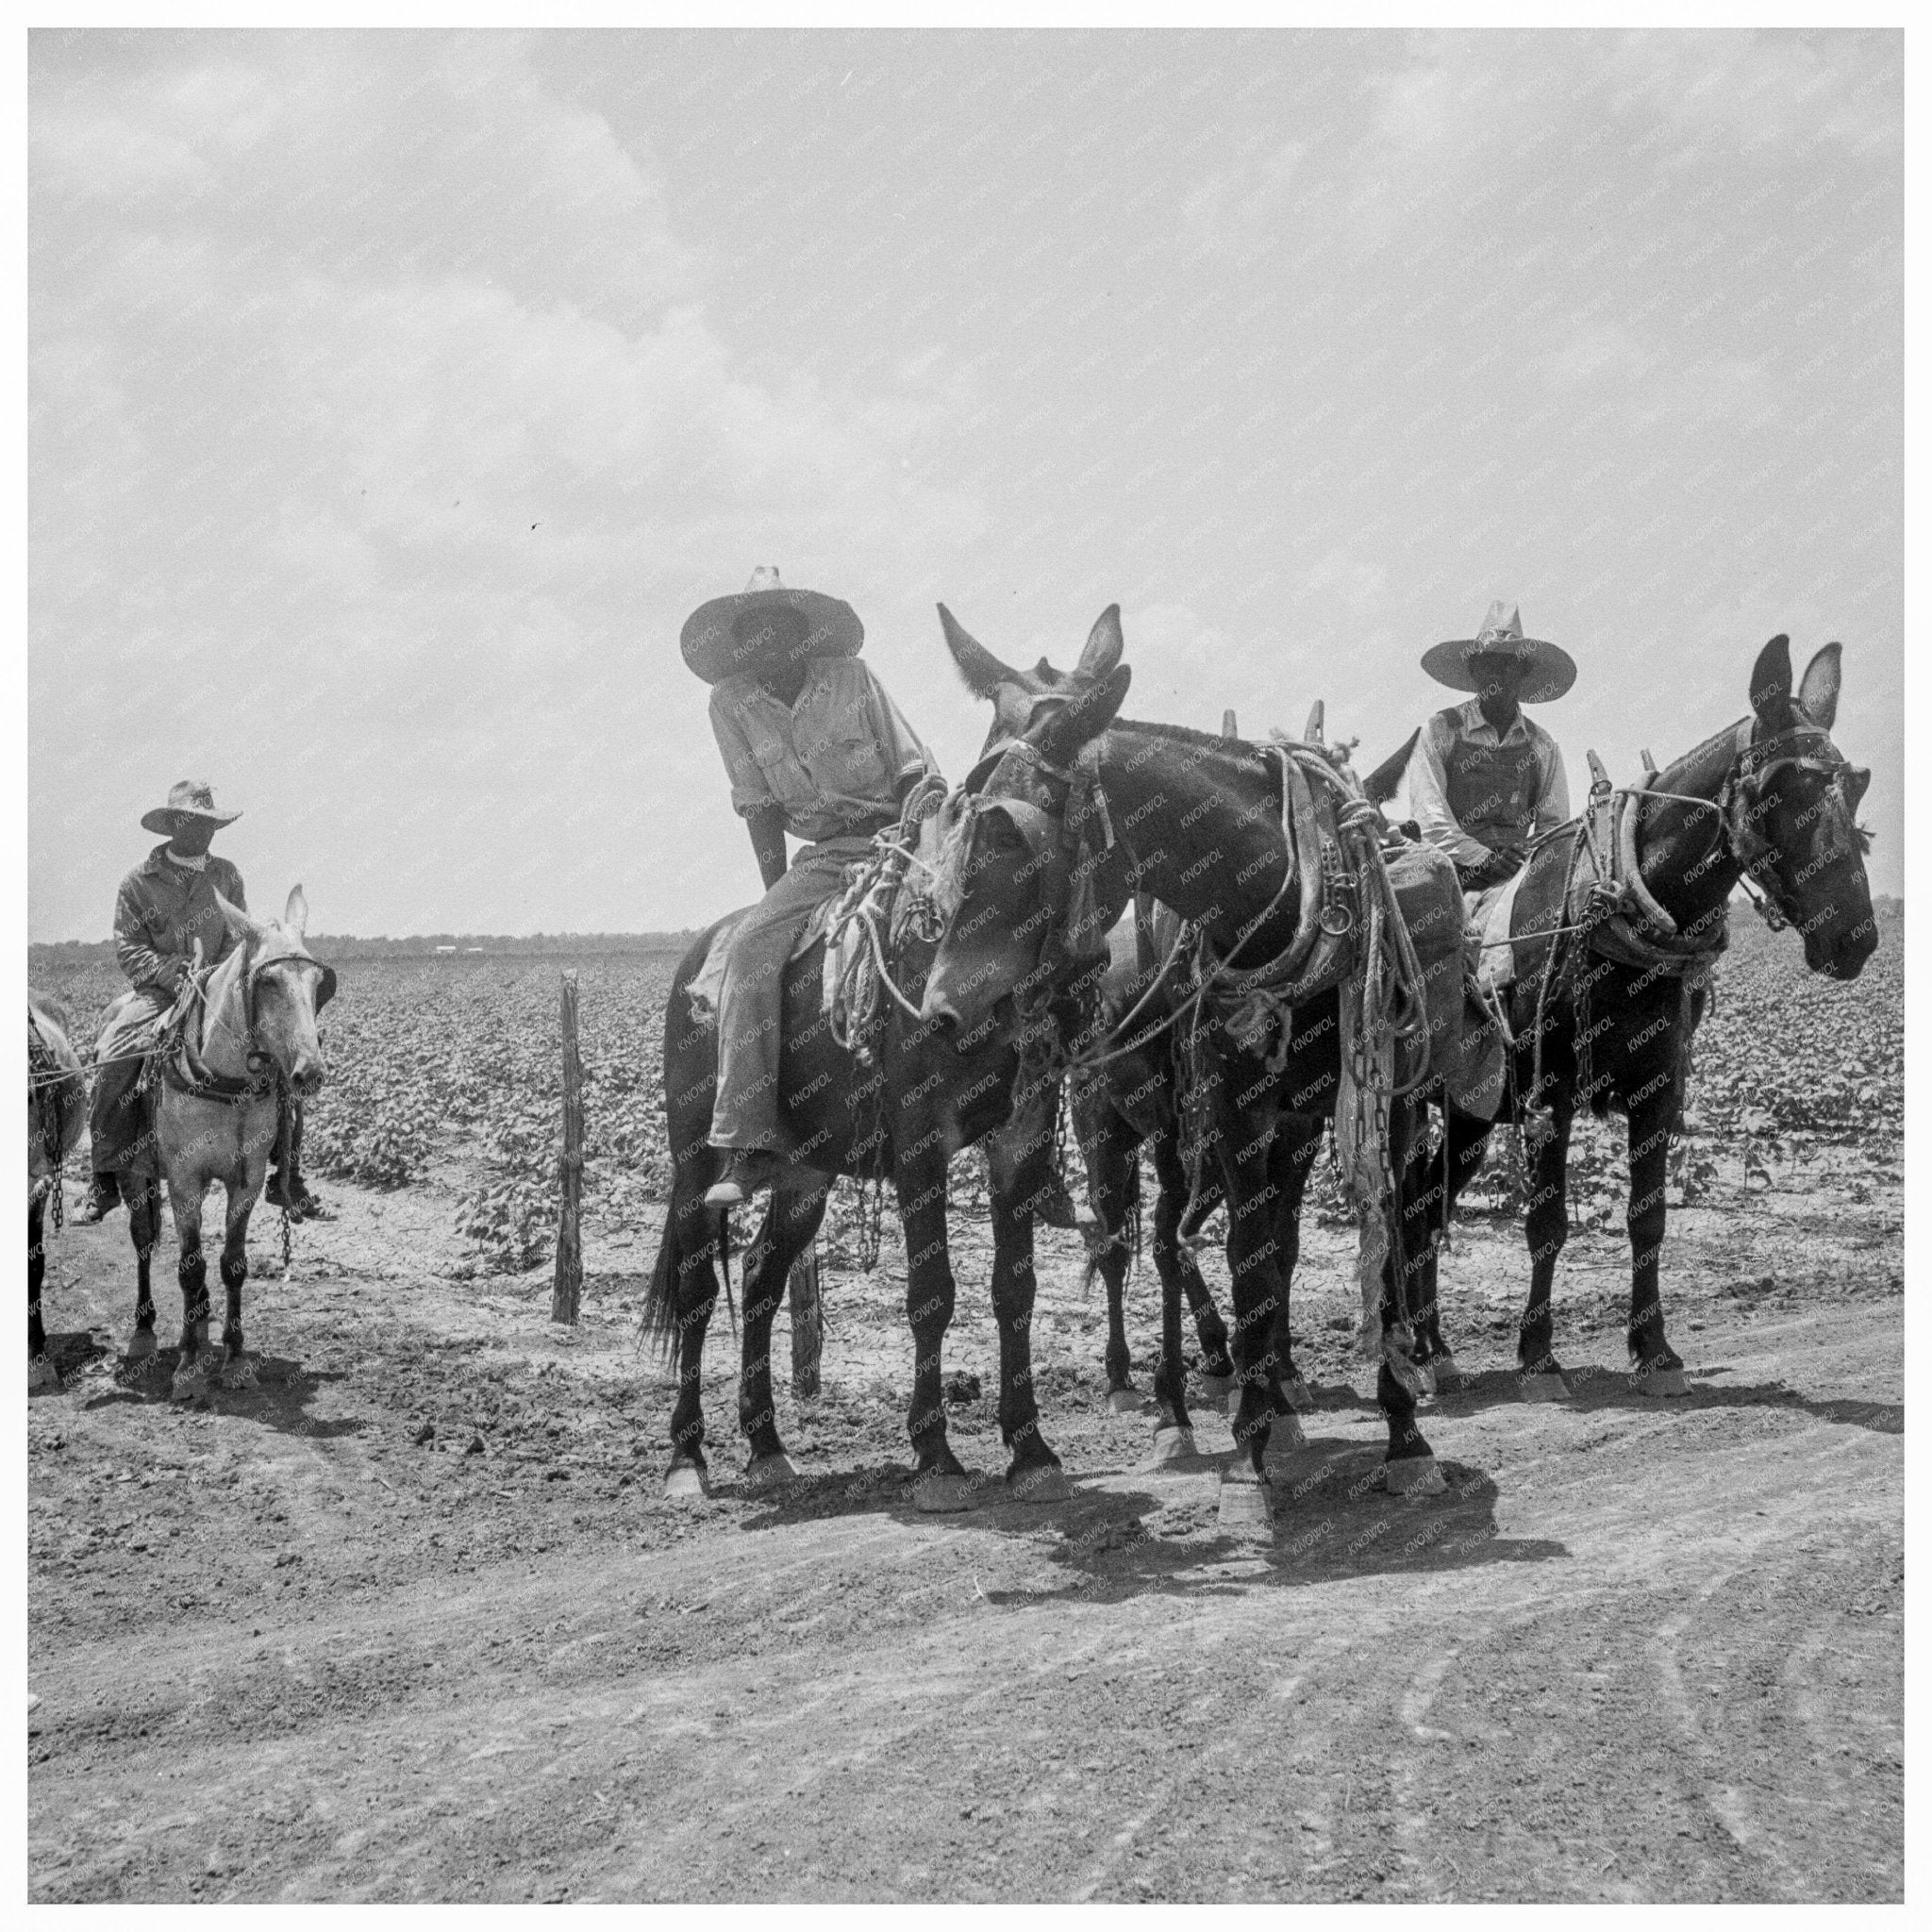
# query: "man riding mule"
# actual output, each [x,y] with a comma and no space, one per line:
[167,907]
[1615,928]
[244,1030]
[868,1087]
[814,746]
[1485,781]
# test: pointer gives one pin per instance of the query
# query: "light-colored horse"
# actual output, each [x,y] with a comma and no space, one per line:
[215,1121]
[56,1114]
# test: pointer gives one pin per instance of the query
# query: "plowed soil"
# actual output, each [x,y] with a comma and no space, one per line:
[412,1620]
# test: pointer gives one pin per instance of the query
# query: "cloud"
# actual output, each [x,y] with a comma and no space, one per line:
[376,401]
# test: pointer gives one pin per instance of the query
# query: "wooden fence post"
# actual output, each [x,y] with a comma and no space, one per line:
[569,1253]
[807,1321]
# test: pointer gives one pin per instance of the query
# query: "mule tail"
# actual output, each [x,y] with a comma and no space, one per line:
[680,1255]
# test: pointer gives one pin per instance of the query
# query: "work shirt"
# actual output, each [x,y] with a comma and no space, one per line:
[162,909]
[1461,741]
[831,762]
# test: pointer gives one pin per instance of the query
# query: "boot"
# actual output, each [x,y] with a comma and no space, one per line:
[289,1192]
[102,1197]
[751,1168]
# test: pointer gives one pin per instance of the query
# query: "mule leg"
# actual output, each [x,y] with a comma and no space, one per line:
[797,1206]
[40,1372]
[1112,1157]
[1254,1266]
[1017,1169]
[940,1482]
[142,1195]
[190,1374]
[1298,1139]
[1660,1368]
[1548,1226]
[1409,1467]
[238,1370]
[698,1252]
[1180,1276]
[1426,1214]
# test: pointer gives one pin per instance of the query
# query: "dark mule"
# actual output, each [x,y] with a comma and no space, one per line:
[1202,825]
[1769,800]
[56,1114]
[902,1111]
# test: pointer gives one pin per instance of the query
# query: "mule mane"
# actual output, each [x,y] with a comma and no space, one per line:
[1706,763]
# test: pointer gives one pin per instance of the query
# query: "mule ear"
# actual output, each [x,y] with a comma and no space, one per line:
[241,928]
[1819,692]
[1086,717]
[984,673]
[1771,683]
[1103,645]
[295,913]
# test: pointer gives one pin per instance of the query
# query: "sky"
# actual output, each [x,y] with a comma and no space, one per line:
[393,399]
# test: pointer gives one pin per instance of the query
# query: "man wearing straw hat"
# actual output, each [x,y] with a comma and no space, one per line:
[1485,780]
[164,906]
[814,747]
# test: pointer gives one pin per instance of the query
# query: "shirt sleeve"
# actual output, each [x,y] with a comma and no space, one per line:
[1428,800]
[906,757]
[1553,805]
[750,791]
[146,968]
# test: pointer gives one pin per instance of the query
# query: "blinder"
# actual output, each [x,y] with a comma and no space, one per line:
[1805,748]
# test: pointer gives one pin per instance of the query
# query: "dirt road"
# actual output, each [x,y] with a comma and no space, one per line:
[1641,1649]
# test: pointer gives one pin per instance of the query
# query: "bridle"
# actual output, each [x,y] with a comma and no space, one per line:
[1740,804]
[187,1072]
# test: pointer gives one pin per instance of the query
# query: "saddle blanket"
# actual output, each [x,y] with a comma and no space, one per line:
[1486,914]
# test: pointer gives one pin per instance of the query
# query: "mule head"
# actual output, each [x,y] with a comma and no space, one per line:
[1795,823]
[284,987]
[1023,840]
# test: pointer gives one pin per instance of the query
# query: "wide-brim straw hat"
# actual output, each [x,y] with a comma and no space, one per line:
[711,642]
[1551,670]
[186,800]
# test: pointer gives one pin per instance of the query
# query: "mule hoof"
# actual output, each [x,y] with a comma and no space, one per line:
[1544,1388]
[190,1384]
[770,1471]
[1661,1382]
[1039,1482]
[1124,1401]
[1448,1375]
[1246,1504]
[685,1482]
[1415,1476]
[1300,1396]
[1286,1435]
[43,1377]
[1424,1378]
[1214,1388]
[141,1347]
[240,1372]
[942,1494]
[1172,1445]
